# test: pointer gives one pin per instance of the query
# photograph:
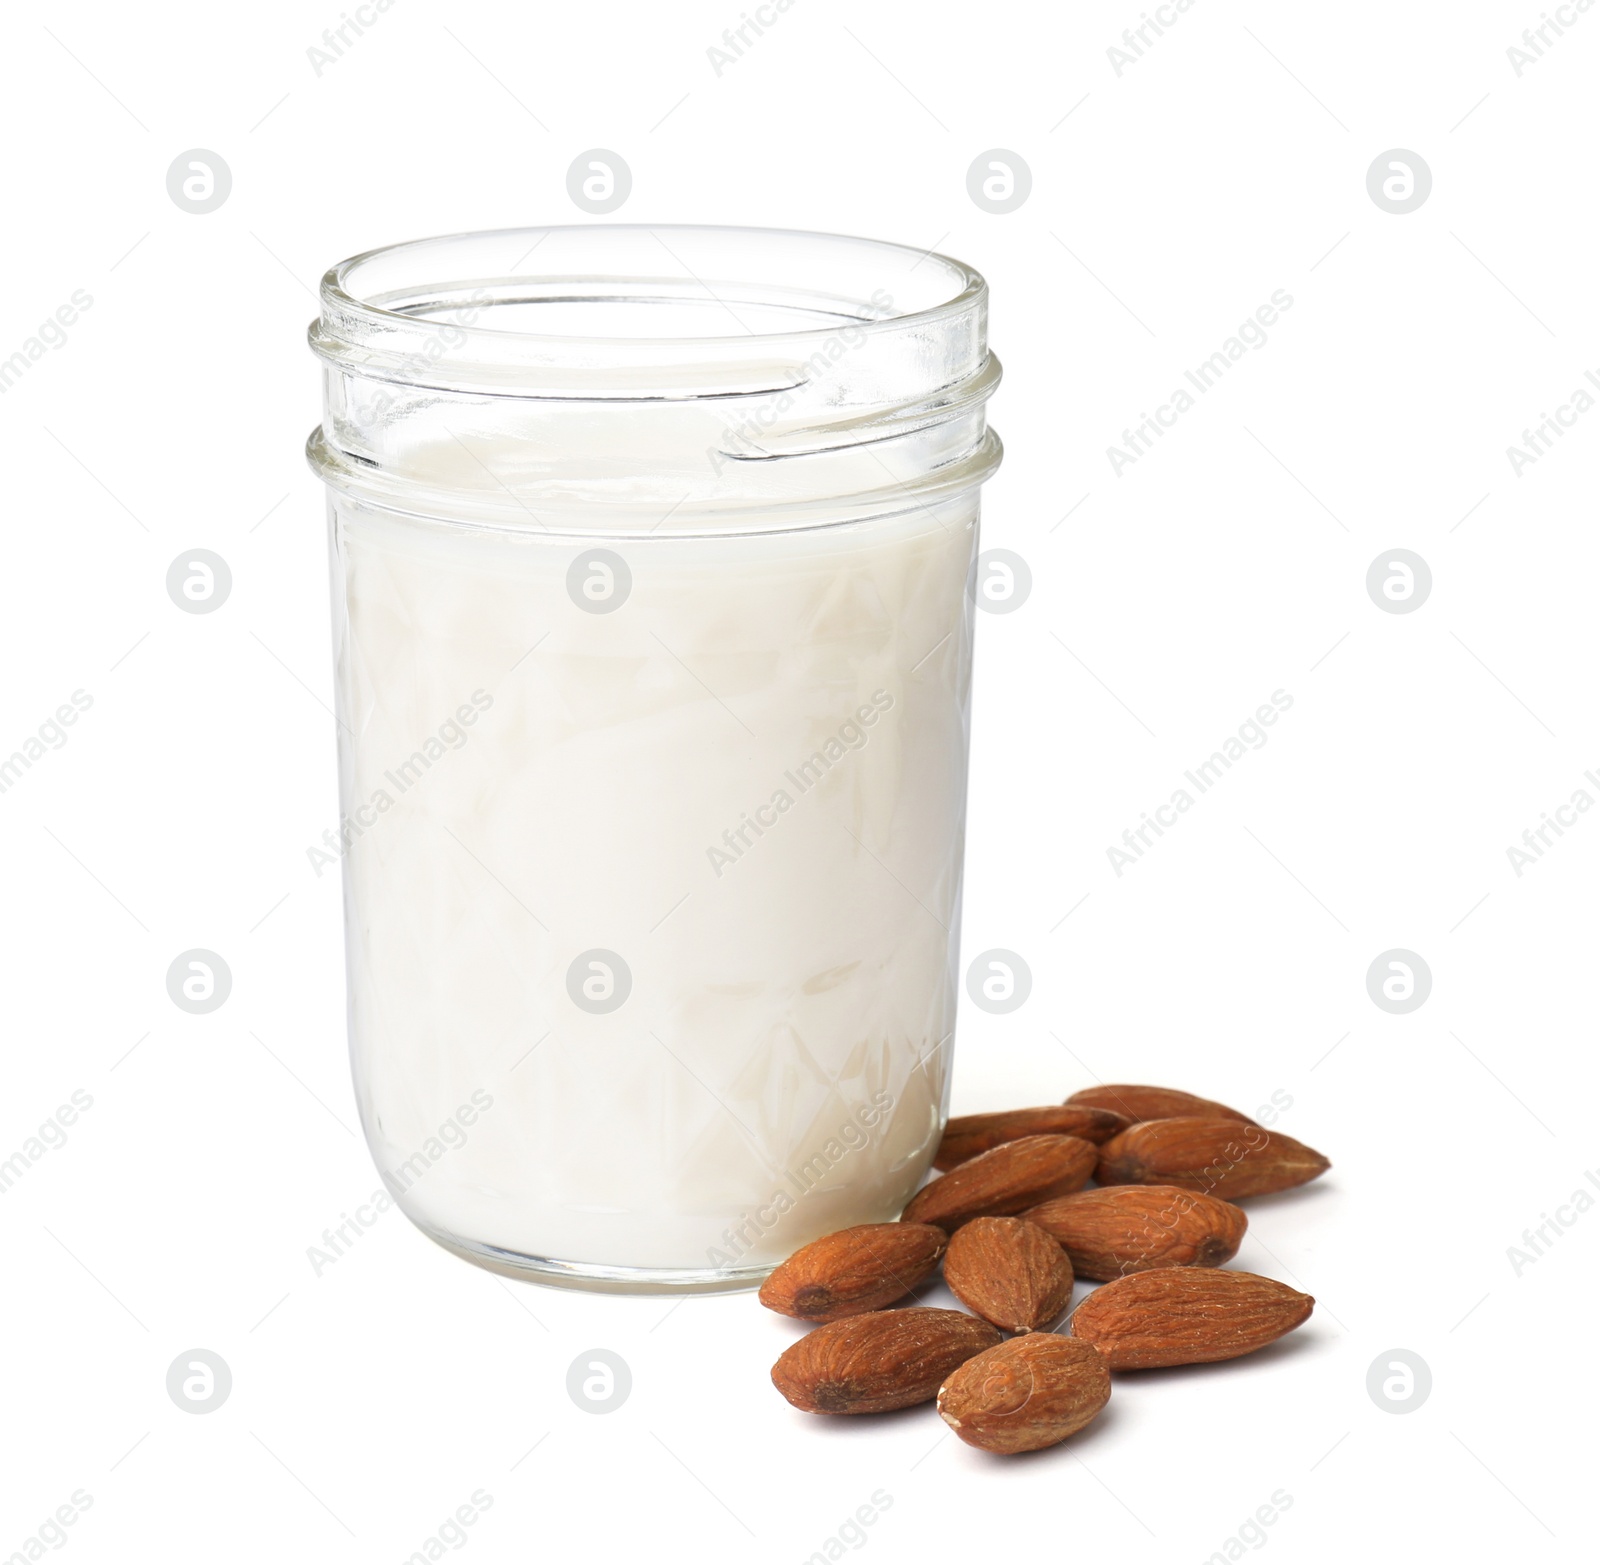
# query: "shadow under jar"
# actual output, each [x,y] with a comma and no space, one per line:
[652,555]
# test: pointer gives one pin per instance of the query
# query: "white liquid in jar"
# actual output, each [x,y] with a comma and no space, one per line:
[747,783]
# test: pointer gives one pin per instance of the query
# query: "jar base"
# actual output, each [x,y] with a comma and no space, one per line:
[593,1278]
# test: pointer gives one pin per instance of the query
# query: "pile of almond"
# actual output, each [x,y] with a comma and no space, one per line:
[1014,1225]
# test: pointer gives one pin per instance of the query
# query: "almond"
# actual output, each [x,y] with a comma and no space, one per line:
[1026,1394]
[1012,1274]
[970,1134]
[1186,1316]
[854,1271]
[1142,1103]
[1005,1179]
[1123,1229]
[874,1363]
[1220,1157]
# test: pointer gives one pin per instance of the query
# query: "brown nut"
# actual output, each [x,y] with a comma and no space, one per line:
[1008,1271]
[1219,1157]
[970,1134]
[1187,1316]
[854,1271]
[1026,1394]
[1004,1180]
[875,1363]
[1141,1103]
[1121,1229]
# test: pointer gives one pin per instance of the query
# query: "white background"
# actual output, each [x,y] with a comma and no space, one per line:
[1168,603]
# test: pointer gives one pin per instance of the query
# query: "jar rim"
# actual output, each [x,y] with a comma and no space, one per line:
[857,388]
[337,282]
[410,312]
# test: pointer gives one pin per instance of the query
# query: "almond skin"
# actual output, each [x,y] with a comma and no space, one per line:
[1026,1394]
[1011,1273]
[1187,1316]
[875,1363]
[1121,1229]
[1141,1103]
[971,1134]
[854,1271]
[1219,1157]
[1004,1180]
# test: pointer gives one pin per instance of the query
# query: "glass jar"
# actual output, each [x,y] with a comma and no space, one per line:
[652,552]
